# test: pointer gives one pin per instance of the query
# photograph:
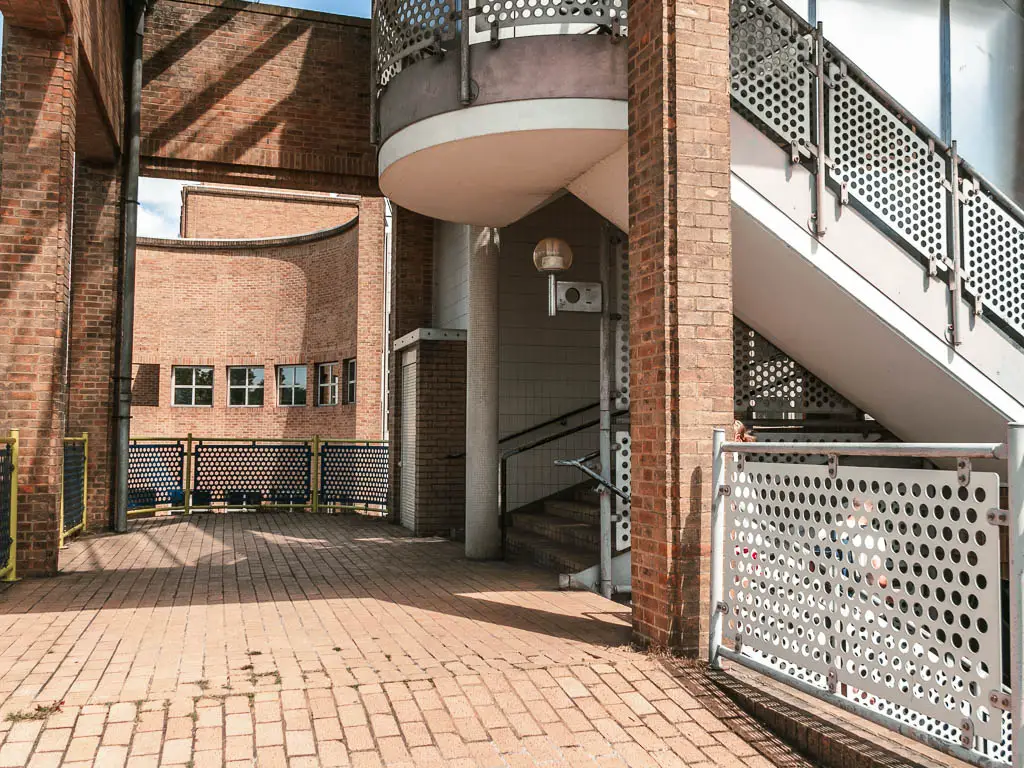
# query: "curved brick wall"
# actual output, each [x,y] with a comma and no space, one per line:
[269,302]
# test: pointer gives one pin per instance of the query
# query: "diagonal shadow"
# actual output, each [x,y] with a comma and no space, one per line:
[191,38]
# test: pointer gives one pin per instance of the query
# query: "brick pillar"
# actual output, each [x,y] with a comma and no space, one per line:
[680,305]
[94,312]
[370,323]
[412,282]
[38,104]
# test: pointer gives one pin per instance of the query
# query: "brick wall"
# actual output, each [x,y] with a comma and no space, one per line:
[94,307]
[370,317]
[38,103]
[233,212]
[257,94]
[680,305]
[295,302]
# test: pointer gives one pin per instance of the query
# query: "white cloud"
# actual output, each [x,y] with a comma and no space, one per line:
[160,207]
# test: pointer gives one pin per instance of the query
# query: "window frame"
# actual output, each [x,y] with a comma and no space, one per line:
[332,387]
[348,372]
[247,388]
[281,386]
[193,387]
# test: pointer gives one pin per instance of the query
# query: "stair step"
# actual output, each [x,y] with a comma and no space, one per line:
[563,530]
[564,558]
[581,511]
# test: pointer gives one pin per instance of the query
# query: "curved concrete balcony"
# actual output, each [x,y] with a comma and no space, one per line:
[485,130]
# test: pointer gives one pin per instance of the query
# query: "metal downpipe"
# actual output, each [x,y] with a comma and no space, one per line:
[130,222]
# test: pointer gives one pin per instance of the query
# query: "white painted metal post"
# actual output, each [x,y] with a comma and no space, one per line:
[1015,474]
[717,549]
[605,437]
[483,531]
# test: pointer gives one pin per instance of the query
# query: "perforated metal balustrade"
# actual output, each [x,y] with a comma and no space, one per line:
[253,473]
[73,488]
[353,474]
[6,477]
[880,159]
[155,474]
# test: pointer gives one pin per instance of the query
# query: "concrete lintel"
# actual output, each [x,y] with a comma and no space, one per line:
[429,334]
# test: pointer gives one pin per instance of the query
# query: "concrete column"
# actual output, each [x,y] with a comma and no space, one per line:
[680,261]
[38,100]
[483,533]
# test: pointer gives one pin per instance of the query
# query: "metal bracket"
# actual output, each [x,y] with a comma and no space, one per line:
[794,154]
[617,30]
[722,608]
[833,465]
[963,472]
[998,517]
[1000,700]
[741,462]
[436,49]
[979,306]
[967,733]
[933,267]
[724,490]
[844,194]
[832,680]
[739,643]
[495,34]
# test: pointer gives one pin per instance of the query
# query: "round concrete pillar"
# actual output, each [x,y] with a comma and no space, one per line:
[483,532]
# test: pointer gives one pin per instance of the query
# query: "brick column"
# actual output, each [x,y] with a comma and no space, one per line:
[94,312]
[38,104]
[412,282]
[370,323]
[680,305]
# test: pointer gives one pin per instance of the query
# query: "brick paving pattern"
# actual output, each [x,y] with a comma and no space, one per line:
[301,640]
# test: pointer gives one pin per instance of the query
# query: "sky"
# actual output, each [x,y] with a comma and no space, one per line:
[160,199]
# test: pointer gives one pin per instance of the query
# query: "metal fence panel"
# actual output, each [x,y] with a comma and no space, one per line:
[73,489]
[353,474]
[994,257]
[250,473]
[155,474]
[6,478]
[884,580]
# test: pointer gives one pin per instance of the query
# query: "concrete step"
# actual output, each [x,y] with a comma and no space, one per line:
[563,530]
[526,545]
[580,511]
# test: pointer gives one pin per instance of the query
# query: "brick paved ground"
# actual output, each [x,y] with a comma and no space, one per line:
[300,640]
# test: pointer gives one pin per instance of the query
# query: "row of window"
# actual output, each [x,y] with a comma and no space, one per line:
[193,384]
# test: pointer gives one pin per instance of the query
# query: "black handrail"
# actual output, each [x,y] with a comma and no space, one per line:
[560,419]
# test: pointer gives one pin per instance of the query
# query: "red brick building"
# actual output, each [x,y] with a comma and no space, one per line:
[270,342]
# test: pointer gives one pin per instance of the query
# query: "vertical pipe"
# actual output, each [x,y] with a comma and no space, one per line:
[945,73]
[63,463]
[819,130]
[955,278]
[717,549]
[130,226]
[1015,473]
[465,88]
[812,12]
[483,532]
[605,418]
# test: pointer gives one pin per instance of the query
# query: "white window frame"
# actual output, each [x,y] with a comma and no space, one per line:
[281,387]
[348,369]
[247,388]
[193,387]
[331,387]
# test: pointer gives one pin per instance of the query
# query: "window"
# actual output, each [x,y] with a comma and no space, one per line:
[327,384]
[291,385]
[349,368]
[193,385]
[245,385]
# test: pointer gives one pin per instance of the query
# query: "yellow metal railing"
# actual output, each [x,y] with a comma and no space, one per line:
[190,443]
[8,567]
[80,526]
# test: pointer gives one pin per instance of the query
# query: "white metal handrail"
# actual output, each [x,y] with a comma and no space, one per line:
[875,589]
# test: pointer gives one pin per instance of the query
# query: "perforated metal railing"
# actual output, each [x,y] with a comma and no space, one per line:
[794,85]
[190,473]
[74,485]
[877,589]
[8,506]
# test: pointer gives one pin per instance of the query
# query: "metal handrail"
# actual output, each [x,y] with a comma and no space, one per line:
[581,465]
[560,419]
[915,450]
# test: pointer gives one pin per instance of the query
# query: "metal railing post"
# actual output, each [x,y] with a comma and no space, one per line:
[314,475]
[955,277]
[63,475]
[819,130]
[187,479]
[1015,474]
[465,81]
[85,480]
[717,547]
[12,575]
[606,355]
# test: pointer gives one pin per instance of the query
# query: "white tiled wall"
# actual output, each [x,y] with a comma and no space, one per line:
[549,365]
[451,275]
